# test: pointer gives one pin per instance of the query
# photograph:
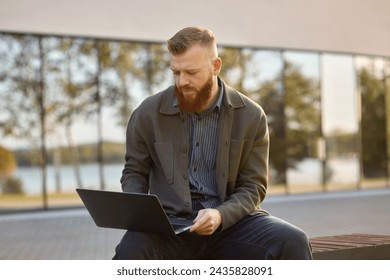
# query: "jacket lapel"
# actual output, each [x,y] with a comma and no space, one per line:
[167,107]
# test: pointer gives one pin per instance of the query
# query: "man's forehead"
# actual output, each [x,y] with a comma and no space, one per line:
[192,58]
[185,63]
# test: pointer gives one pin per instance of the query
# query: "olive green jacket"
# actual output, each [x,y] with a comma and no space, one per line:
[157,151]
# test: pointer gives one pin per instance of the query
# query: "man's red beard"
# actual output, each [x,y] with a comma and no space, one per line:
[198,103]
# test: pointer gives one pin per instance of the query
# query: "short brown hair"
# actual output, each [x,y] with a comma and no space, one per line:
[188,37]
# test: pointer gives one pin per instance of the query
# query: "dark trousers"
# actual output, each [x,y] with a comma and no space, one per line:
[254,237]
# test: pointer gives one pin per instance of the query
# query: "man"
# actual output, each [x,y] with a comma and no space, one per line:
[202,148]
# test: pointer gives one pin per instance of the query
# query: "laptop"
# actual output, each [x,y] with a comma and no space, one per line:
[131,211]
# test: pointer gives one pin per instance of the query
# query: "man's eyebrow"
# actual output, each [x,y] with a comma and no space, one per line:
[185,70]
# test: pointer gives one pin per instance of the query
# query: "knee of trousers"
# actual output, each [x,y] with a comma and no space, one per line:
[288,235]
[137,246]
[297,244]
[299,237]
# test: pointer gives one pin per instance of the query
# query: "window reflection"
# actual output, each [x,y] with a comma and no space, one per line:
[272,98]
[387,101]
[303,121]
[90,89]
[257,73]
[339,122]
[328,115]
[372,87]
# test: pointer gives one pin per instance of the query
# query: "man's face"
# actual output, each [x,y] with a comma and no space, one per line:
[194,78]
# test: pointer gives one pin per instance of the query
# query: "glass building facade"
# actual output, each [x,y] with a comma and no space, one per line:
[65,103]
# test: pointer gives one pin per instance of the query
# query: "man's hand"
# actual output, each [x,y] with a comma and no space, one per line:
[207,222]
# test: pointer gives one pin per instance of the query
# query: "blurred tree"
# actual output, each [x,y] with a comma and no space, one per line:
[273,102]
[291,101]
[125,73]
[238,69]
[302,113]
[76,87]
[373,124]
[153,63]
[26,107]
[103,60]
[7,162]
[235,67]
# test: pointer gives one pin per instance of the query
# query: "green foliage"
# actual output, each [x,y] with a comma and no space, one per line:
[373,124]
[291,101]
[302,112]
[12,185]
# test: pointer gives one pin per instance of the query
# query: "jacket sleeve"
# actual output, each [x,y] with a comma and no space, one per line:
[136,170]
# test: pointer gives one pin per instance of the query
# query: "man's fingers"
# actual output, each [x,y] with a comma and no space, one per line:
[206,228]
[206,222]
[201,214]
[199,220]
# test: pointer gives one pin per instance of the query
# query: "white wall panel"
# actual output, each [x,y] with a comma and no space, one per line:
[349,26]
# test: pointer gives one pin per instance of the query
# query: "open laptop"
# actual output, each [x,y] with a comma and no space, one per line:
[131,211]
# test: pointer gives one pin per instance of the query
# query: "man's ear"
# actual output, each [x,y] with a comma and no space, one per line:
[217,63]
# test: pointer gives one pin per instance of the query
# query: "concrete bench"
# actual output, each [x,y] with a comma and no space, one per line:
[351,247]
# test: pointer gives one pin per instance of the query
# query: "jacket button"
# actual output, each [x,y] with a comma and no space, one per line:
[187,204]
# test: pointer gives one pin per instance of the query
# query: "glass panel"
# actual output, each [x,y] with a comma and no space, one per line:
[132,72]
[387,101]
[22,100]
[303,125]
[76,132]
[90,88]
[339,122]
[371,73]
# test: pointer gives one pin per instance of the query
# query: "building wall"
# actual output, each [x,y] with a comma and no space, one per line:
[348,26]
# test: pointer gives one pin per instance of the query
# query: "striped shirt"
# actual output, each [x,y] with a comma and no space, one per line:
[203,129]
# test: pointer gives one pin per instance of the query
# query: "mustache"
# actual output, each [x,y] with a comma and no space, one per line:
[181,88]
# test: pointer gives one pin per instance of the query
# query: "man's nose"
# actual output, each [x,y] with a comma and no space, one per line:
[182,80]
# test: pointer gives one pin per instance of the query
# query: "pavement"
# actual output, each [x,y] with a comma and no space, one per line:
[70,234]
